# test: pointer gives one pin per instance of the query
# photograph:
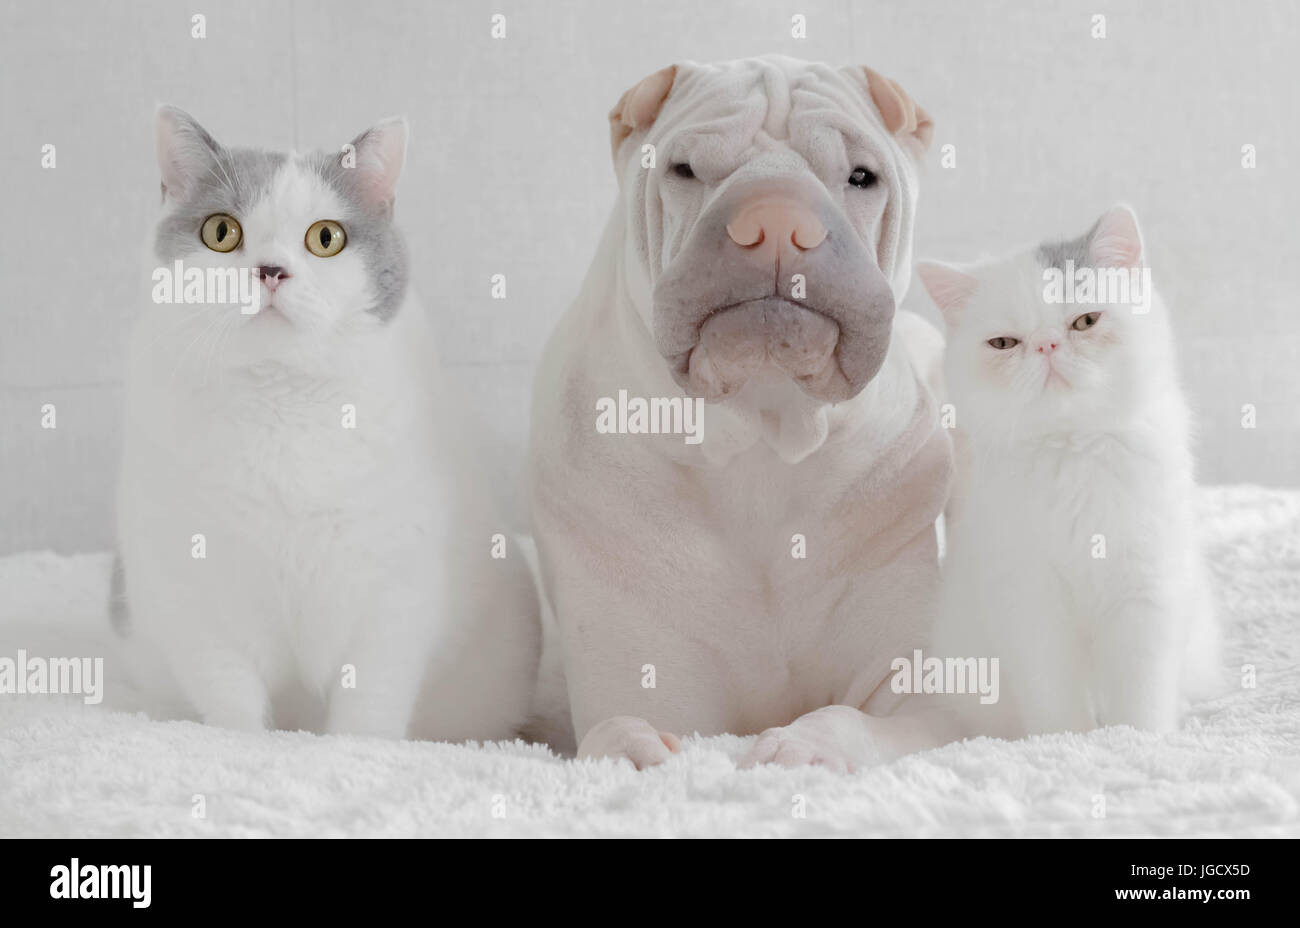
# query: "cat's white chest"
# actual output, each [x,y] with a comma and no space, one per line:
[286,449]
[1069,525]
[300,456]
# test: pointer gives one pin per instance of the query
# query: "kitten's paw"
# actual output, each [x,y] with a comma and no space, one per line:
[835,737]
[382,697]
[629,738]
[224,689]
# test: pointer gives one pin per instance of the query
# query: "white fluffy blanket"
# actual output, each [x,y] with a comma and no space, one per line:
[72,770]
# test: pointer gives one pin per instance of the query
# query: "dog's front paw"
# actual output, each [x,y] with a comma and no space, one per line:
[835,737]
[629,738]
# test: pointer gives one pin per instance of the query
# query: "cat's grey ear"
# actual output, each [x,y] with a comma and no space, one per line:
[951,288]
[185,150]
[1116,240]
[380,152]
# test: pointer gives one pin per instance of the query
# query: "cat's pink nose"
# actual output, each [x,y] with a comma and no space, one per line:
[1045,344]
[776,224]
[272,275]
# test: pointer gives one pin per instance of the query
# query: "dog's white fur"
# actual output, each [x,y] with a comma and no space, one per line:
[671,564]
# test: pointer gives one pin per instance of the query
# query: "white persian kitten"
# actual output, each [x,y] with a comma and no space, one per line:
[1071,545]
[303,534]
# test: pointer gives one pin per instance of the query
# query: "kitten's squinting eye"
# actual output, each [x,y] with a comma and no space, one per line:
[326,238]
[1086,321]
[862,177]
[683,170]
[221,232]
[1003,342]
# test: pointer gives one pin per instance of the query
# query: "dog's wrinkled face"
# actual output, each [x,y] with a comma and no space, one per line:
[773,229]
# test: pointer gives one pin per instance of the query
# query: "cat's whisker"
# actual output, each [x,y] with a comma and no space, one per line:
[204,351]
[223,341]
[181,358]
[221,178]
[225,172]
[238,178]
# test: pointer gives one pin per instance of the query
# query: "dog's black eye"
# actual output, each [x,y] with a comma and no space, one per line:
[683,170]
[862,177]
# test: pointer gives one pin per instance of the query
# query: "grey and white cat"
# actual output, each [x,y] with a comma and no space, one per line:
[1072,554]
[304,533]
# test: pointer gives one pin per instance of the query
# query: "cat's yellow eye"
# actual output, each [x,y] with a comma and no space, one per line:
[326,238]
[221,232]
[1086,321]
[1003,342]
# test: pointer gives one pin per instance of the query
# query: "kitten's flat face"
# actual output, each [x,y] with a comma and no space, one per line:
[314,231]
[1017,354]
[1019,363]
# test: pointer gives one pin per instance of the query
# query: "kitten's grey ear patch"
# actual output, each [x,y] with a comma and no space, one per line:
[1116,239]
[380,153]
[185,149]
[951,288]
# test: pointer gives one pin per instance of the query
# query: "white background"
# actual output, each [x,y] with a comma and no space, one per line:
[508,172]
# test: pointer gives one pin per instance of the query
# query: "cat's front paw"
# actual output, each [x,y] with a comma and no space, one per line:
[835,737]
[627,737]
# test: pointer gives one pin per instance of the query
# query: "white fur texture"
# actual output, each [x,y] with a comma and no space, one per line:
[333,554]
[1073,555]
[1234,767]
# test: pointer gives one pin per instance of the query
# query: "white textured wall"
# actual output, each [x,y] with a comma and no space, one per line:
[508,172]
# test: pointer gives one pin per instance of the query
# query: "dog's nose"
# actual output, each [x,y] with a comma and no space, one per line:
[776,226]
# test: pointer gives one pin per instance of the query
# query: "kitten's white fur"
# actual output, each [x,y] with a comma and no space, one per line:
[326,547]
[1045,468]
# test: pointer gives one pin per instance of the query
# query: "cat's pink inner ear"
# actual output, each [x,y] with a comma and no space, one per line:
[950,288]
[380,154]
[1116,241]
[185,150]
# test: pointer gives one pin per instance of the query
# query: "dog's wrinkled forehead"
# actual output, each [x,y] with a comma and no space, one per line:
[737,110]
[754,107]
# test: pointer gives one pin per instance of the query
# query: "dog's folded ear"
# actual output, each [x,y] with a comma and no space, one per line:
[902,116]
[638,108]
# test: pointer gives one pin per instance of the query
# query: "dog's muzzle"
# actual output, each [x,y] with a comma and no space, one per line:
[773,274]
